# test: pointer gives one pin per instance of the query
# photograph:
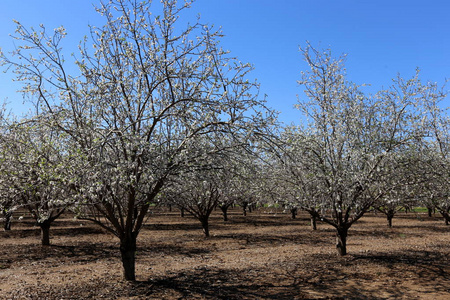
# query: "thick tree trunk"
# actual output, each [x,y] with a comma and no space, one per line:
[205,225]
[45,233]
[224,212]
[128,253]
[313,222]
[182,212]
[341,241]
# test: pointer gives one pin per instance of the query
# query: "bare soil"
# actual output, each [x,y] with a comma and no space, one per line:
[265,255]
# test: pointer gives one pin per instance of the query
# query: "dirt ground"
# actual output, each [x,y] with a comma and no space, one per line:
[265,255]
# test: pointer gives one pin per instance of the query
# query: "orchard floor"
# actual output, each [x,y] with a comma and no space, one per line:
[265,255]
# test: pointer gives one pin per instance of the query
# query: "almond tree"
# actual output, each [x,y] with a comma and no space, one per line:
[339,158]
[7,201]
[34,173]
[432,188]
[146,88]
[399,182]
[7,205]
[199,193]
[432,167]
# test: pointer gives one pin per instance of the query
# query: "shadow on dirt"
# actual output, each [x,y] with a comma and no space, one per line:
[325,275]
[216,284]
[264,240]
[54,231]
[432,264]
[208,283]
[173,250]
[81,253]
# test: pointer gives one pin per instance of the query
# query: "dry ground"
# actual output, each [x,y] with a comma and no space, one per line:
[265,255]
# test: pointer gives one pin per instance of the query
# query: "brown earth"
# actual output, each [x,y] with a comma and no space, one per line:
[265,255]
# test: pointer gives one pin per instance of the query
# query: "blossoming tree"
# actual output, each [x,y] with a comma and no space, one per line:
[338,161]
[146,88]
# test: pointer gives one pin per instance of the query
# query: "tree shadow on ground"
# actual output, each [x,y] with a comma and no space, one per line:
[208,283]
[324,274]
[80,253]
[173,226]
[170,249]
[85,252]
[215,284]
[54,231]
[277,221]
[263,240]
[432,267]
[333,275]
[428,228]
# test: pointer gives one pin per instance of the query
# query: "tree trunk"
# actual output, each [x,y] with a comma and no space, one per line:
[244,208]
[389,216]
[7,225]
[446,217]
[294,212]
[341,241]
[205,226]
[182,212]
[389,219]
[224,212]
[430,211]
[313,222]
[128,253]
[45,233]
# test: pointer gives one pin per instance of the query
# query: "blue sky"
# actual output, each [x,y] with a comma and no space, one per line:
[382,38]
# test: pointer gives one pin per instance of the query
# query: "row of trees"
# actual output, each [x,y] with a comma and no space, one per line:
[156,112]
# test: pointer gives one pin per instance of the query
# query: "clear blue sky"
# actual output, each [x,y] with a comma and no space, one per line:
[382,38]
